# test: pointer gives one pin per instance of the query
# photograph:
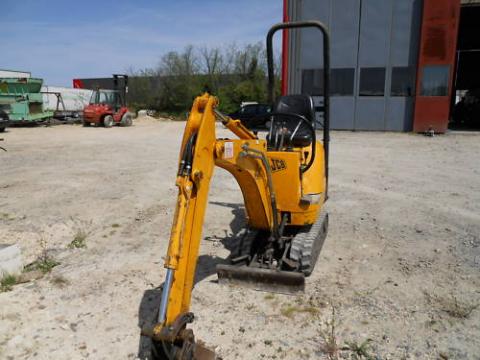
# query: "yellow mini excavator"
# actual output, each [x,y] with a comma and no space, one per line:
[284,181]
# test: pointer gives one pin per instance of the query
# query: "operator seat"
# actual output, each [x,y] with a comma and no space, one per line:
[292,104]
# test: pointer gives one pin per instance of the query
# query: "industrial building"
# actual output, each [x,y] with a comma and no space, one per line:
[395,64]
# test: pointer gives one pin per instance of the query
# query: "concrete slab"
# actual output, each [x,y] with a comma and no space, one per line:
[10,259]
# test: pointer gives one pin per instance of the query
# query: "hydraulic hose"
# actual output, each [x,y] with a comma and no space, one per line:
[187,156]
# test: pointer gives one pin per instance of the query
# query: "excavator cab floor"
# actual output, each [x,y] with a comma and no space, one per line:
[282,282]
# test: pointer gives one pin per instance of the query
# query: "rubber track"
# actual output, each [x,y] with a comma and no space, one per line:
[306,245]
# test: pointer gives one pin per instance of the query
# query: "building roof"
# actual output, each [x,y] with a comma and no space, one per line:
[4,73]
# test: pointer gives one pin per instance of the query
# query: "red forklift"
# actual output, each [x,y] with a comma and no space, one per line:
[109,107]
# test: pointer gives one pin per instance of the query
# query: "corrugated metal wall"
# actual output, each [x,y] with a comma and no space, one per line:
[374,56]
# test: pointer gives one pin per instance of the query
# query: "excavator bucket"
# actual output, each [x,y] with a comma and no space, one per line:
[203,353]
[282,282]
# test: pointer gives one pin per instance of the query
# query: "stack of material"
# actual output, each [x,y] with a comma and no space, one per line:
[66,103]
[21,100]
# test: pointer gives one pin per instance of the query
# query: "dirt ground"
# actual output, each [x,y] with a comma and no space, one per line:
[398,277]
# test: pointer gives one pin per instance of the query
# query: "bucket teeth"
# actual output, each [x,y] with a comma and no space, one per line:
[283,282]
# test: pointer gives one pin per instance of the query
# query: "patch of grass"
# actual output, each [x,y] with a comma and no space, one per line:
[45,263]
[79,240]
[7,216]
[80,233]
[7,282]
[452,306]
[60,281]
[290,311]
[360,351]
[310,309]
[269,296]
[115,225]
[457,309]
[330,344]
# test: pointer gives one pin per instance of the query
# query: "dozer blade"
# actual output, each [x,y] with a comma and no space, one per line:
[282,282]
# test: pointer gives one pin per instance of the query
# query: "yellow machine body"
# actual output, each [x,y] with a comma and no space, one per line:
[284,182]
[291,188]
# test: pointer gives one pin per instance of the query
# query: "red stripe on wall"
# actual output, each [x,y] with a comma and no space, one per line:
[438,44]
[77,84]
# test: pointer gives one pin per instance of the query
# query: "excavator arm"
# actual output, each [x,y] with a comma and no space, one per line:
[200,152]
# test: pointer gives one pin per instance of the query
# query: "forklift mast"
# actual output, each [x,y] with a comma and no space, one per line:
[121,87]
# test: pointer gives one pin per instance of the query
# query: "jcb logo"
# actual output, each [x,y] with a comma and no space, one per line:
[277,164]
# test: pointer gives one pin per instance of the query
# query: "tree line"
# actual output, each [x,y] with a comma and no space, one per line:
[233,73]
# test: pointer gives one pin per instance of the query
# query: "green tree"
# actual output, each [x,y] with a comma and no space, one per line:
[234,74]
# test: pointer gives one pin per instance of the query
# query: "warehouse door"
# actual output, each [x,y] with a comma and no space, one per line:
[388,52]
[344,25]
[343,18]
[372,64]
[374,51]
[400,92]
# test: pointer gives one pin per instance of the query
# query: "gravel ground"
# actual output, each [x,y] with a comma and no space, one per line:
[398,277]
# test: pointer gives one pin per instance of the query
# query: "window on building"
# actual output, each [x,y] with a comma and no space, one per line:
[403,81]
[312,82]
[342,81]
[372,81]
[435,80]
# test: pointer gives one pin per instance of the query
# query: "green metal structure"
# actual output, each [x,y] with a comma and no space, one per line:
[22,101]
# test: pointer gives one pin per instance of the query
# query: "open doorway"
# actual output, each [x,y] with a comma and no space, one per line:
[466,102]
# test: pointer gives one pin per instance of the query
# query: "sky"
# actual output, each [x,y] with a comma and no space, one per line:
[59,40]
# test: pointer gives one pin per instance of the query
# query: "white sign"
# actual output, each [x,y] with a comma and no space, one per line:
[228,152]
